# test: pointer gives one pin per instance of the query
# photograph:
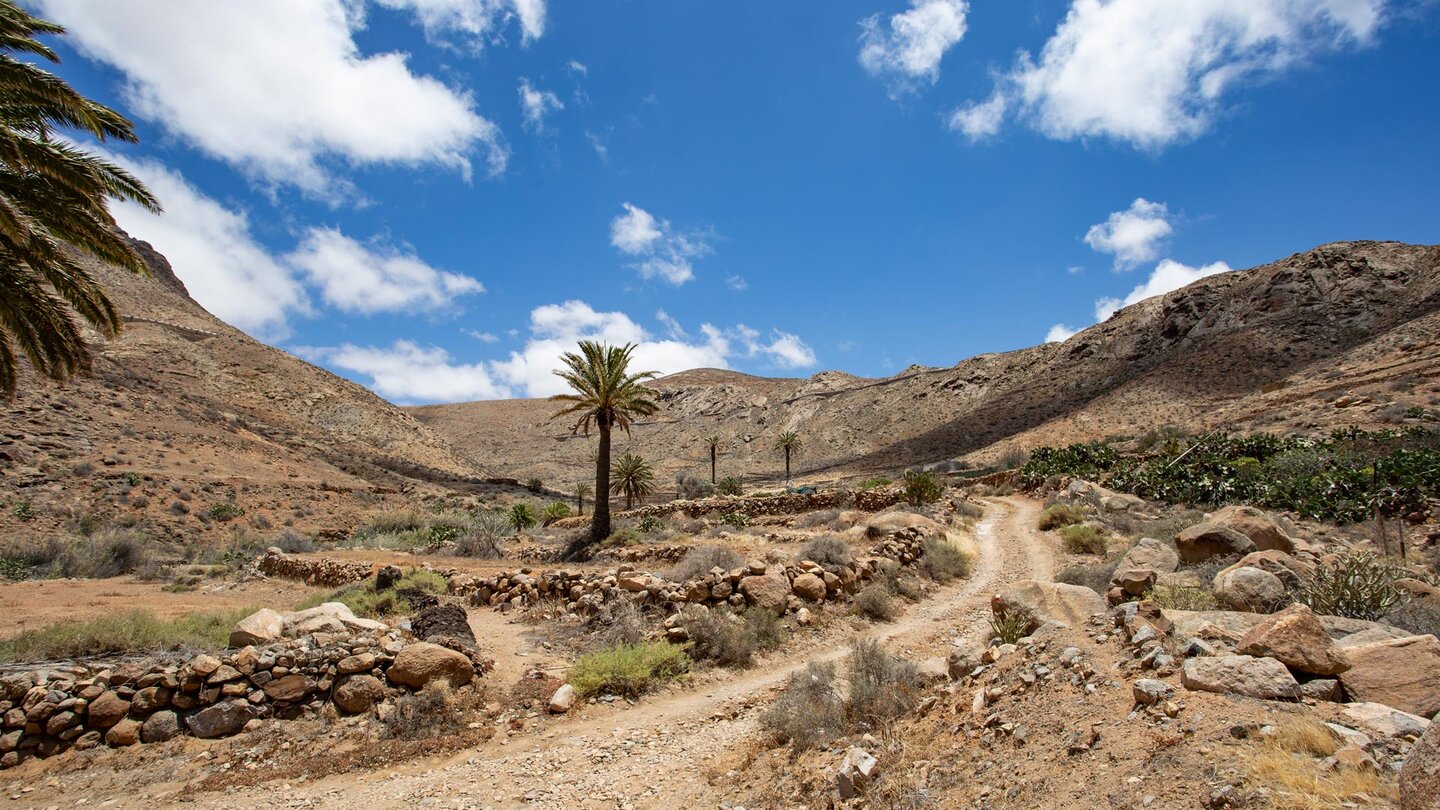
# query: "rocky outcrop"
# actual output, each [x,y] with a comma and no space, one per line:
[1403,673]
[1420,776]
[1263,678]
[1297,639]
[1260,528]
[1142,566]
[1042,602]
[1204,541]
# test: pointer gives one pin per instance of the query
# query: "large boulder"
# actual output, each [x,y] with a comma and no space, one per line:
[889,523]
[1249,589]
[1289,570]
[259,628]
[421,663]
[1143,565]
[358,693]
[1403,673]
[1204,541]
[809,587]
[767,591]
[1043,602]
[1262,529]
[106,710]
[1420,776]
[1246,675]
[1230,626]
[221,719]
[337,611]
[1297,639]
[1379,720]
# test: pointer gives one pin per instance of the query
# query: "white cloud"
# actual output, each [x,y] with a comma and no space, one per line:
[280,89]
[483,337]
[599,145]
[982,120]
[375,278]
[1152,73]
[1133,236]
[408,373]
[1169,275]
[212,250]
[789,351]
[907,53]
[1059,333]
[536,104]
[662,252]
[737,283]
[478,19]
[578,68]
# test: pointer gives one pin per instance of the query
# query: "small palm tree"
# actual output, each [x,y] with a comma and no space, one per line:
[581,490]
[632,477]
[713,442]
[790,442]
[53,198]
[521,517]
[606,396]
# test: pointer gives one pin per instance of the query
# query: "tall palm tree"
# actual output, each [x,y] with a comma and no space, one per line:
[53,199]
[632,477]
[713,442]
[606,396]
[581,490]
[790,443]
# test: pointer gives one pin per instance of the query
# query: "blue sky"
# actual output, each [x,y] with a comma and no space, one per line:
[436,197]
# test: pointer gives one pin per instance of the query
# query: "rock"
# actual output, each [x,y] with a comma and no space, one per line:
[768,592]
[125,732]
[1403,673]
[259,628]
[1148,691]
[387,576]
[964,659]
[1291,571]
[149,699]
[1230,626]
[809,587]
[634,583]
[159,727]
[338,611]
[1249,589]
[421,663]
[1419,786]
[1071,605]
[446,625]
[1263,678]
[221,719]
[353,664]
[205,665]
[1295,638]
[1350,756]
[1260,528]
[1203,541]
[357,694]
[1384,722]
[856,772]
[106,710]
[316,624]
[290,688]
[563,700]
[804,617]
[1142,566]
[934,670]
[890,523]
[1324,689]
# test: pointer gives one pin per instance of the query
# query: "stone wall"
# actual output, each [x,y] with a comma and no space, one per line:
[311,570]
[872,500]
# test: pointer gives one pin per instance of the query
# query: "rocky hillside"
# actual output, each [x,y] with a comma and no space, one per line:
[185,414]
[1342,334]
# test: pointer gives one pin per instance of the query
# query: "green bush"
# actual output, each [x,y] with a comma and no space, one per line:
[22,511]
[729,485]
[1060,515]
[735,520]
[649,524]
[944,561]
[364,600]
[621,538]
[1183,597]
[1083,539]
[1359,585]
[1009,626]
[874,483]
[535,485]
[875,602]
[629,670]
[921,488]
[809,712]
[223,512]
[136,631]
[553,511]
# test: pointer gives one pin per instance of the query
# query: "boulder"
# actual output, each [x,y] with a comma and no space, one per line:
[1297,639]
[106,710]
[338,611]
[1384,722]
[856,772]
[160,726]
[1230,626]
[1403,673]
[1290,570]
[1204,541]
[421,663]
[889,523]
[262,627]
[1260,528]
[964,658]
[221,719]
[125,732]
[358,693]
[1420,775]
[290,688]
[769,592]
[1142,565]
[934,670]
[315,624]
[1071,605]
[350,665]
[1249,589]
[809,587]
[1245,675]
[563,700]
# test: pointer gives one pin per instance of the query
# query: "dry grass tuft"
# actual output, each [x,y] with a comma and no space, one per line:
[1287,764]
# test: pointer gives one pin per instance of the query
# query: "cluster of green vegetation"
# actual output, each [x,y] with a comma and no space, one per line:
[364,600]
[1344,477]
[628,670]
[728,638]
[130,632]
[922,488]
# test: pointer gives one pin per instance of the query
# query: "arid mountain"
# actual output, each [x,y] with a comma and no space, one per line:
[184,413]
[1342,334]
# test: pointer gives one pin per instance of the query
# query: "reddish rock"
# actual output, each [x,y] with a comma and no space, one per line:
[1297,639]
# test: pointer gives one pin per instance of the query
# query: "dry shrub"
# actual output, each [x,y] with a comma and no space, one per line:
[728,639]
[966,509]
[827,552]
[699,560]
[435,711]
[944,561]
[809,712]
[1183,597]
[618,624]
[1287,765]
[1084,539]
[629,670]
[811,520]
[1061,514]
[106,553]
[882,686]
[876,603]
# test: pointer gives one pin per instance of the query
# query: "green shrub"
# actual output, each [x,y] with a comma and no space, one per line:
[364,600]
[874,483]
[944,561]
[1083,539]
[136,631]
[225,511]
[875,602]
[395,521]
[1009,626]
[736,520]
[522,517]
[621,538]
[922,488]
[1359,585]
[730,640]
[1183,597]
[1061,514]
[22,511]
[629,670]
[553,511]
[809,712]
[729,485]
[882,686]
[699,560]
[649,524]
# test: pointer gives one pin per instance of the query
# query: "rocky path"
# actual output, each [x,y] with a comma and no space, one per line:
[659,752]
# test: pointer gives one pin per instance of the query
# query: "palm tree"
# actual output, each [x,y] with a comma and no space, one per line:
[790,443]
[53,198]
[581,490]
[713,442]
[632,476]
[606,396]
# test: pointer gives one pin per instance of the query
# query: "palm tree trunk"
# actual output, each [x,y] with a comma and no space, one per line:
[787,466]
[600,521]
[712,466]
[579,504]
[629,500]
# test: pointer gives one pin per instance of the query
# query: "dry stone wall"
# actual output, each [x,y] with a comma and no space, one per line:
[311,570]
[793,503]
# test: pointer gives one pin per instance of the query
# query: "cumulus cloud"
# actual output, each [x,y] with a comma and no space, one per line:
[367,279]
[1151,74]
[1132,236]
[483,337]
[907,51]
[661,252]
[222,88]
[578,68]
[407,373]
[1059,333]
[536,104]
[1168,276]
[478,20]
[982,120]
[212,249]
